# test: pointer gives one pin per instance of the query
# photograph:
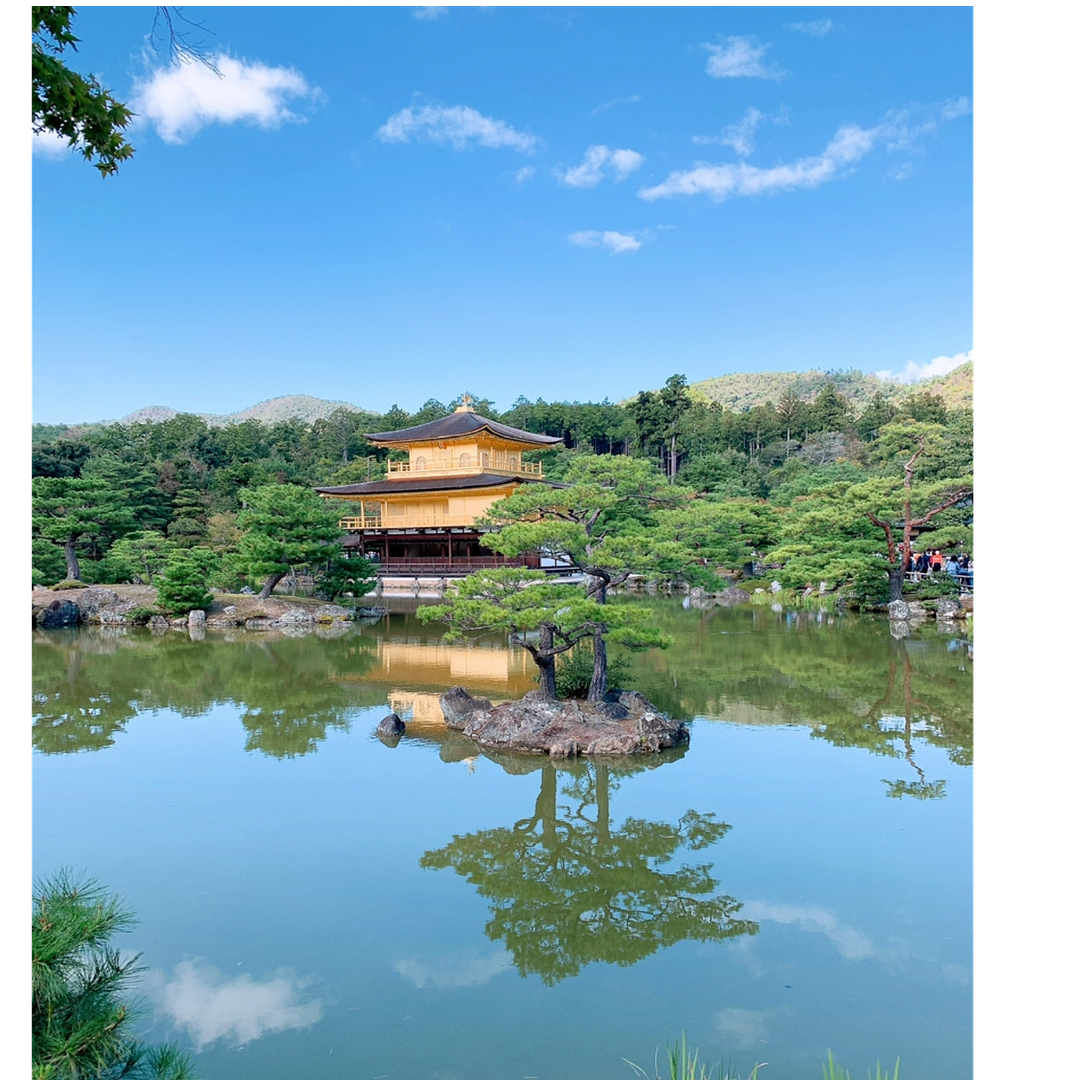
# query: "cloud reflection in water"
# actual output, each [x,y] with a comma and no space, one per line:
[451,972]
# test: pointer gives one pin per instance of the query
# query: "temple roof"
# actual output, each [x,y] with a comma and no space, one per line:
[459,424]
[432,483]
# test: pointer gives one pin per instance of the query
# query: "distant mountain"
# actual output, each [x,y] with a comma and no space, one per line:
[149,414]
[291,407]
[744,391]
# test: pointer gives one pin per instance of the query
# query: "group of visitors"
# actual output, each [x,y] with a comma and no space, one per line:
[959,567]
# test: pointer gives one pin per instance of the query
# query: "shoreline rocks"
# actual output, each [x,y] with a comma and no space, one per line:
[111,606]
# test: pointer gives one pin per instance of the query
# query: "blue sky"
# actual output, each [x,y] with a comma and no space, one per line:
[384,205]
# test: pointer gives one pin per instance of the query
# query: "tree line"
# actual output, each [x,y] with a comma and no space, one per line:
[818,488]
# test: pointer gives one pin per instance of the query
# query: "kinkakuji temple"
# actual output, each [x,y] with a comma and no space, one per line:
[422,518]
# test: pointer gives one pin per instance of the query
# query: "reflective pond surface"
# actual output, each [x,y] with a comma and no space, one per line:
[313,902]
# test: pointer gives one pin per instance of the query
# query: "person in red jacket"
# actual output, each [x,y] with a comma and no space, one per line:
[935,562]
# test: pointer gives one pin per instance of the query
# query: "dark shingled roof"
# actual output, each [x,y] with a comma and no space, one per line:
[459,424]
[435,483]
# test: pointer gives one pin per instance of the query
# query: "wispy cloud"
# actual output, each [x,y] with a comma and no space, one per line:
[740,58]
[526,173]
[457,125]
[599,162]
[940,365]
[817,28]
[616,243]
[202,1001]
[453,972]
[849,145]
[740,136]
[430,12]
[182,99]
[613,102]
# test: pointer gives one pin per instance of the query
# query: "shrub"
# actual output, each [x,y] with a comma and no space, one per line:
[183,586]
[69,583]
[573,671]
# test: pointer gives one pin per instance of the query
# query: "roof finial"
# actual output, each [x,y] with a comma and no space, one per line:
[466,404]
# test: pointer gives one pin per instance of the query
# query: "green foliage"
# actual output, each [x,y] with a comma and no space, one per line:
[728,474]
[143,555]
[107,571]
[336,576]
[831,1071]
[47,562]
[69,583]
[684,1064]
[72,106]
[285,527]
[81,1019]
[69,510]
[574,671]
[727,534]
[932,588]
[597,521]
[545,619]
[140,615]
[183,585]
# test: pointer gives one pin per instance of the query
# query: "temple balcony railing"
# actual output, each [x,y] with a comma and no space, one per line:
[430,519]
[500,467]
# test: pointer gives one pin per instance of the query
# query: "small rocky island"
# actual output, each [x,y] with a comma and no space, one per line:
[625,722]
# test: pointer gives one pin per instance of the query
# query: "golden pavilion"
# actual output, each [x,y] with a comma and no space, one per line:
[422,518]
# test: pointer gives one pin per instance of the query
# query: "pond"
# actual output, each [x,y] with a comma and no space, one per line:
[313,902]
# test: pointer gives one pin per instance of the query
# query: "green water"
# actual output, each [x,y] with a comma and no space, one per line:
[316,903]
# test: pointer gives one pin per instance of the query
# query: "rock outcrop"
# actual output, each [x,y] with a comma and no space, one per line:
[626,722]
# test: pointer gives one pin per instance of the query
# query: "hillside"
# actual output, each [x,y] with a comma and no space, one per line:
[743,391]
[956,388]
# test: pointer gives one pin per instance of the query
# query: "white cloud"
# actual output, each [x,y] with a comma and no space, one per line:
[852,944]
[600,161]
[740,58]
[940,365]
[743,1027]
[49,144]
[182,99]
[430,12]
[453,972]
[617,243]
[818,28]
[899,131]
[526,173]
[457,125]
[209,1006]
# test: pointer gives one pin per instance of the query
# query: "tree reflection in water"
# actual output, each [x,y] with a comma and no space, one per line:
[567,890]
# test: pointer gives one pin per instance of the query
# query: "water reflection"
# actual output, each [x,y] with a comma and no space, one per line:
[847,679]
[201,1001]
[567,890]
[452,972]
[852,944]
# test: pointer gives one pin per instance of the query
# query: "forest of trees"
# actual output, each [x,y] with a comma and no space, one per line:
[818,489]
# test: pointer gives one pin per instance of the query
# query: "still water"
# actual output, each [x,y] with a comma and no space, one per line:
[314,903]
